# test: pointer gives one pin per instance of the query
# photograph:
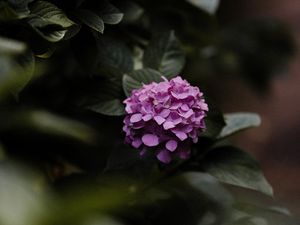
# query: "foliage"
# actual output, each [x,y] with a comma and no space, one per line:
[66,67]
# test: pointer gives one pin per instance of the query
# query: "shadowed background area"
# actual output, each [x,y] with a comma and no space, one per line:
[276,142]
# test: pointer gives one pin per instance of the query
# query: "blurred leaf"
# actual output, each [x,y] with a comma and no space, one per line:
[132,11]
[110,108]
[20,202]
[164,54]
[102,221]
[9,46]
[236,122]
[233,166]
[258,49]
[101,199]
[27,66]
[209,6]
[49,124]
[17,67]
[2,153]
[12,9]
[248,220]
[110,14]
[137,78]
[91,19]
[49,21]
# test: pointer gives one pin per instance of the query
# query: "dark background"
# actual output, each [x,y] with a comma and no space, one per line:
[276,143]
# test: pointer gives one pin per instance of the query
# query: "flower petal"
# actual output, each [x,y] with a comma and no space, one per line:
[137,143]
[171,145]
[150,140]
[136,118]
[181,135]
[159,120]
[168,125]
[164,156]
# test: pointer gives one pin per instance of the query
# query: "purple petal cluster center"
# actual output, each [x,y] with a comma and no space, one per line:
[165,118]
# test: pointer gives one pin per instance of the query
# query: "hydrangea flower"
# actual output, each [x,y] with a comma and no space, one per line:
[165,118]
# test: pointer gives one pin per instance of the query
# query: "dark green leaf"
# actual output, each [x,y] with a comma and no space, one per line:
[233,166]
[209,6]
[49,21]
[208,185]
[236,122]
[204,198]
[164,54]
[110,107]
[103,97]
[137,78]
[214,122]
[113,55]
[91,19]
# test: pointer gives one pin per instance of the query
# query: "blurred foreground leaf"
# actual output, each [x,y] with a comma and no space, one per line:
[48,124]
[11,9]
[17,67]
[20,202]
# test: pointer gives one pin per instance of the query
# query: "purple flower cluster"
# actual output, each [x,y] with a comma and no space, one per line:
[165,117]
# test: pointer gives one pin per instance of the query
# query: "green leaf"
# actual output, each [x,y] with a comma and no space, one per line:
[209,6]
[49,21]
[110,107]
[233,166]
[236,122]
[113,55]
[164,54]
[91,19]
[137,78]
